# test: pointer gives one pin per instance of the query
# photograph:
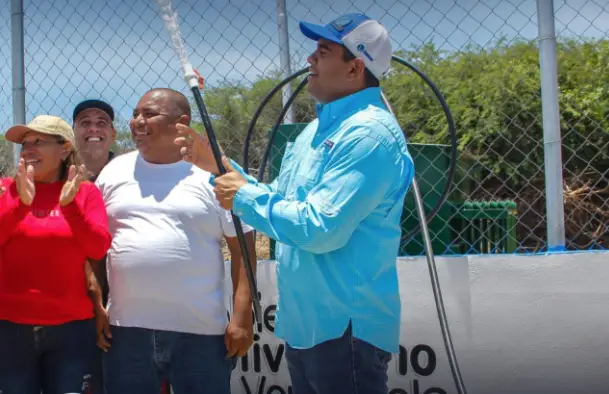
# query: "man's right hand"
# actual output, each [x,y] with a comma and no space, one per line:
[196,149]
[25,183]
[102,328]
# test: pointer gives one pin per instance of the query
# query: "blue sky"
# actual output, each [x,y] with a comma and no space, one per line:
[116,50]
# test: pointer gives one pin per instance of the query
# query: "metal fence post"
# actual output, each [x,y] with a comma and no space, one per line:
[18,69]
[501,199]
[555,214]
[284,55]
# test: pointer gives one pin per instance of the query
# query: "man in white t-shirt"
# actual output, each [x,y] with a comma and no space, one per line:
[165,267]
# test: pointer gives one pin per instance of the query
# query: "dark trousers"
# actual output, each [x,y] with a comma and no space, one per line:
[46,359]
[140,359]
[345,365]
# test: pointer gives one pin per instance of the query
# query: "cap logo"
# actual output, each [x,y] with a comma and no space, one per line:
[362,49]
[340,23]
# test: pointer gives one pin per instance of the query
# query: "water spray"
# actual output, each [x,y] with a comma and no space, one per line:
[170,17]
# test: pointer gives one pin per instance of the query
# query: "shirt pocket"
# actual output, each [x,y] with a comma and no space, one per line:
[308,171]
[285,170]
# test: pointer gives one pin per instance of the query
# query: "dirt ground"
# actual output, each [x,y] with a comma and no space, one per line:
[262,248]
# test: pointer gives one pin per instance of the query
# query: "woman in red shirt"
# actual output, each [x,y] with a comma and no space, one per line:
[51,221]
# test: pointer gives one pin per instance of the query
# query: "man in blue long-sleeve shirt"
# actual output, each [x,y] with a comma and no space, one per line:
[335,210]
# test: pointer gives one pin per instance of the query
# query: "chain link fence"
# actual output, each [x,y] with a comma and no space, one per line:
[483,55]
[584,94]
[5,85]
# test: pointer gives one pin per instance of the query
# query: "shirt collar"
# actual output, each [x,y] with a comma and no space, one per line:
[344,107]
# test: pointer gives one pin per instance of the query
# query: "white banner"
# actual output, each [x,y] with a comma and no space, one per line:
[519,324]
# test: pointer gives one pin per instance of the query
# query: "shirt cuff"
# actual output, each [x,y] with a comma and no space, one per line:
[243,198]
[212,177]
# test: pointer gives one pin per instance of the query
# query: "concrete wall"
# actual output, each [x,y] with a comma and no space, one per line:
[519,323]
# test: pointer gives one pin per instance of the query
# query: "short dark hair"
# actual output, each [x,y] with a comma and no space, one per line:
[370,80]
[180,101]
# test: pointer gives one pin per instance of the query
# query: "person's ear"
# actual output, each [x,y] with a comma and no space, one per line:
[357,69]
[66,149]
[185,120]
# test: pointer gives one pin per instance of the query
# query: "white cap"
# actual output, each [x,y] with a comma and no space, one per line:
[366,38]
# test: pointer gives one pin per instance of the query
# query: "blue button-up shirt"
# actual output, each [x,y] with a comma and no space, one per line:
[335,210]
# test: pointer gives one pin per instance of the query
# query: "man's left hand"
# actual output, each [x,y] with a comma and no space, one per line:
[239,337]
[228,185]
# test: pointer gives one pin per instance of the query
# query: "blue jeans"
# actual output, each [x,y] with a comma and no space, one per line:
[96,383]
[345,365]
[139,359]
[48,359]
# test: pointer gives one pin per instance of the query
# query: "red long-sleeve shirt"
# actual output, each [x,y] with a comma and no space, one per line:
[43,250]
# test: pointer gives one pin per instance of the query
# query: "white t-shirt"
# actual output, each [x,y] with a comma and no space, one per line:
[165,266]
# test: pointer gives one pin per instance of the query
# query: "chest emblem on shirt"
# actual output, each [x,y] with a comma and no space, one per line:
[41,213]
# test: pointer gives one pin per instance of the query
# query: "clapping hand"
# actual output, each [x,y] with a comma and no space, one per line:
[25,183]
[70,188]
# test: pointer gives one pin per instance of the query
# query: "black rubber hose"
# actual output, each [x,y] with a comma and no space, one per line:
[435,283]
[247,260]
[451,132]
[285,109]
[263,103]
[451,173]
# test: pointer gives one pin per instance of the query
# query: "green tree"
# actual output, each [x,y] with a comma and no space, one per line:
[495,98]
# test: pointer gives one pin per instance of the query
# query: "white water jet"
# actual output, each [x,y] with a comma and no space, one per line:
[170,17]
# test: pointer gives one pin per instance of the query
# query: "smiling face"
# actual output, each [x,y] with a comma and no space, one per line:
[94,132]
[45,153]
[333,77]
[153,125]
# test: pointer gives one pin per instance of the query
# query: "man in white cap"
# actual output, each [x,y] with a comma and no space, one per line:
[335,210]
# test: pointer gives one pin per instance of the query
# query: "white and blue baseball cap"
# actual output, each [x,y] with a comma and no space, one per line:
[366,38]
